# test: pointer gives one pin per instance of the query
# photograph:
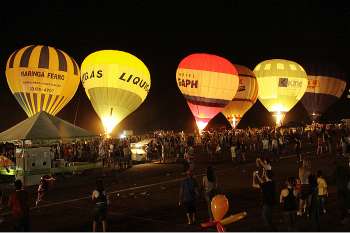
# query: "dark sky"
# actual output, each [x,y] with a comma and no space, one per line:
[161,33]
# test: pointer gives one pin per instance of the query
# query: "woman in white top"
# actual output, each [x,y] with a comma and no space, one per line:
[209,187]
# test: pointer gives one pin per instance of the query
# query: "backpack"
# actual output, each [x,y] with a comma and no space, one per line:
[290,201]
[190,191]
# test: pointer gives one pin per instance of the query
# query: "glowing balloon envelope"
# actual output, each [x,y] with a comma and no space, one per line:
[219,206]
[116,84]
[245,97]
[208,83]
[282,84]
[42,78]
[325,87]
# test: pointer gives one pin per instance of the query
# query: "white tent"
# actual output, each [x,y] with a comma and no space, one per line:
[43,126]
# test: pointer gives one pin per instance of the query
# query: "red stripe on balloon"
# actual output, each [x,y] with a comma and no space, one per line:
[204,113]
[208,62]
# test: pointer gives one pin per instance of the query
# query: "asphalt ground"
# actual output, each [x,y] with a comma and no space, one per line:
[145,198]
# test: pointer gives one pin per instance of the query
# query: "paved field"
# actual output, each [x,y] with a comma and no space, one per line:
[145,197]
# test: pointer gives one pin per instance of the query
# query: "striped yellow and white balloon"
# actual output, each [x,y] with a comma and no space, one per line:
[245,97]
[42,78]
[326,85]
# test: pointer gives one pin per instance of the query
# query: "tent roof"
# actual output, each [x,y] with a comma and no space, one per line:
[43,126]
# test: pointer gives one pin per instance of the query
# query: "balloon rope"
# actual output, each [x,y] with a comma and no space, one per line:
[76,111]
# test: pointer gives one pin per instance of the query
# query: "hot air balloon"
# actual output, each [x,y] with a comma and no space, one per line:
[325,87]
[282,84]
[42,78]
[208,83]
[116,84]
[245,97]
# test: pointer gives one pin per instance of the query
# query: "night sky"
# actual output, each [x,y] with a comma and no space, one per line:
[161,33]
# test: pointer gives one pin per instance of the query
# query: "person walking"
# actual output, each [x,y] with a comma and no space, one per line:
[188,196]
[289,204]
[99,197]
[43,188]
[209,187]
[19,205]
[268,188]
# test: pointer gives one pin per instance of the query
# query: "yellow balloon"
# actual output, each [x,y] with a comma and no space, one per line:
[233,218]
[42,78]
[116,84]
[282,83]
[245,97]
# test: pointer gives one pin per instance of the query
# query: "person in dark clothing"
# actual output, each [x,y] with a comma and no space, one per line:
[189,192]
[18,203]
[342,178]
[268,188]
[314,204]
[289,204]
[99,197]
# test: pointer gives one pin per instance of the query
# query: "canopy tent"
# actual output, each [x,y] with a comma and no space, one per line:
[43,126]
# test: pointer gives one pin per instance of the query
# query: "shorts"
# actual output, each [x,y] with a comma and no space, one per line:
[100,213]
[305,191]
[190,206]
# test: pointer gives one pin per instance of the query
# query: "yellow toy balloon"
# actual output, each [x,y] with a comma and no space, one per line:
[233,218]
[219,206]
[282,84]
[42,78]
[116,84]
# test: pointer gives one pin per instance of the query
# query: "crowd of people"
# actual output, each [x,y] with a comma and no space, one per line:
[305,194]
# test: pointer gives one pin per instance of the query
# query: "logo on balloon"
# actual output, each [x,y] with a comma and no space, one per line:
[187,82]
[135,80]
[284,82]
[94,73]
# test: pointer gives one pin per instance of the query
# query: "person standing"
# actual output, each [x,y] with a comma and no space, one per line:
[275,149]
[99,197]
[18,203]
[322,190]
[304,172]
[314,204]
[289,204]
[209,187]
[188,196]
[268,188]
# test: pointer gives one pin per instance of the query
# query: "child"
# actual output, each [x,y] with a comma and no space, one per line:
[43,188]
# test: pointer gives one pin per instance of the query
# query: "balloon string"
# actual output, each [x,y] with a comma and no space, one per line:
[219,227]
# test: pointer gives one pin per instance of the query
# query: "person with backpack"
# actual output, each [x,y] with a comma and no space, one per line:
[99,197]
[18,203]
[288,199]
[188,196]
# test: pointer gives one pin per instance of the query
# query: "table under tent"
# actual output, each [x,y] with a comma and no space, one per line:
[33,139]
